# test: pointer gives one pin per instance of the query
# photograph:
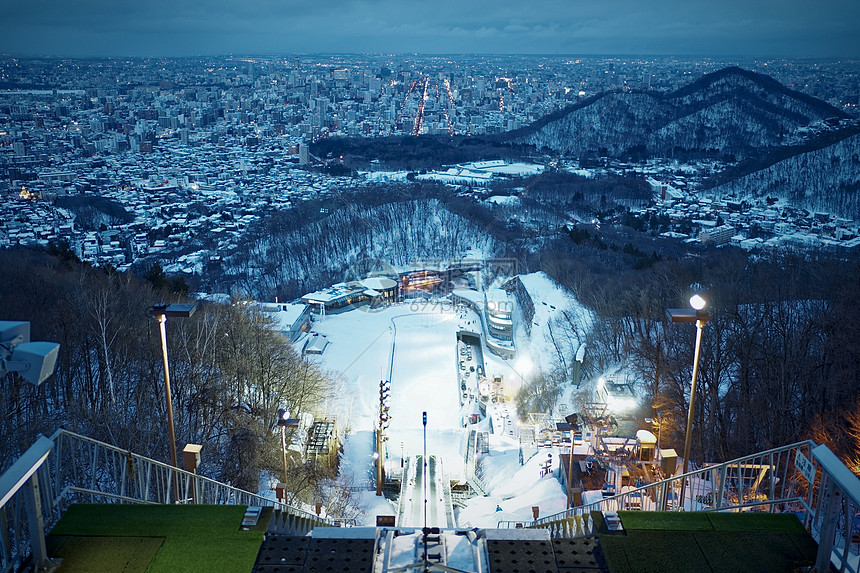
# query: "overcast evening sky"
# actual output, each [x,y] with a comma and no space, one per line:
[758,28]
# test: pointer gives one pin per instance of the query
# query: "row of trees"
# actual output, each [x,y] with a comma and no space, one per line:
[230,372]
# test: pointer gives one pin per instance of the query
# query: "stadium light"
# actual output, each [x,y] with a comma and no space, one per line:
[284,422]
[161,311]
[573,422]
[33,361]
[700,316]
[384,420]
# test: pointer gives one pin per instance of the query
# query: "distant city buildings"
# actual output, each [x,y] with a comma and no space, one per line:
[194,150]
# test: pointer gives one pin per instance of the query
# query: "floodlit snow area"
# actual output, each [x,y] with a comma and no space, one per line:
[514,488]
[414,344]
[559,324]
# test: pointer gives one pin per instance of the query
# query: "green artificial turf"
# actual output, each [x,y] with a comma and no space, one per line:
[759,551]
[755,521]
[665,520]
[195,537]
[221,554]
[708,542]
[107,554]
[653,552]
[143,520]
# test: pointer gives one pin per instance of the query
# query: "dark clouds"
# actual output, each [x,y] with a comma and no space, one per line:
[202,27]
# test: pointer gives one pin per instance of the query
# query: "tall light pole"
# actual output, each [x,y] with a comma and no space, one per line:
[284,422]
[283,416]
[700,316]
[572,421]
[161,311]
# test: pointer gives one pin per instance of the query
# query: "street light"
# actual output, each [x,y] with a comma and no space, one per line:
[33,361]
[701,317]
[284,422]
[283,415]
[572,421]
[161,311]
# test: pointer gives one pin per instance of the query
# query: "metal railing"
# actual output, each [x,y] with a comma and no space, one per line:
[801,478]
[834,514]
[767,481]
[71,468]
[87,470]
[22,507]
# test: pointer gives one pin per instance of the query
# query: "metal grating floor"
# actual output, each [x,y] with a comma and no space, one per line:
[282,554]
[556,556]
[290,554]
[579,555]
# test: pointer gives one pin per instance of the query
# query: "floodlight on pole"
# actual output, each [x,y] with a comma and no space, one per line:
[33,361]
[161,311]
[284,422]
[698,302]
[701,317]
[572,421]
[384,420]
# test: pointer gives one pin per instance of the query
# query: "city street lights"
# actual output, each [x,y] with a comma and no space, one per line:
[701,317]
[161,311]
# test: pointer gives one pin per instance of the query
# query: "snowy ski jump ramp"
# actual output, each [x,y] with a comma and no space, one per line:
[413,504]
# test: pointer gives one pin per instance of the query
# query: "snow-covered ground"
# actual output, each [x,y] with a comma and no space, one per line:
[423,374]
[478,173]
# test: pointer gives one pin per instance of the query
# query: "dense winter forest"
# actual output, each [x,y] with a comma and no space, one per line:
[824,180]
[290,253]
[731,112]
[780,362]
[230,373]
[288,260]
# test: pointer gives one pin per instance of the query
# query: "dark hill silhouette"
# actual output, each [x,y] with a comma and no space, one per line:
[731,113]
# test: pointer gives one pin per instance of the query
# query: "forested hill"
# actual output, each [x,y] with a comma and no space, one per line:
[731,113]
[820,179]
[288,258]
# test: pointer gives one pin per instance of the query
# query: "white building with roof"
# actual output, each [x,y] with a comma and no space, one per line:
[291,319]
[495,307]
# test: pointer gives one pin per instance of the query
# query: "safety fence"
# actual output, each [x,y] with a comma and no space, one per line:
[801,478]
[70,468]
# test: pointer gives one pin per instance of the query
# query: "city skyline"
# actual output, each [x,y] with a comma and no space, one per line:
[160,29]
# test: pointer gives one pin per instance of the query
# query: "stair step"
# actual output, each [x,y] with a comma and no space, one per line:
[252,515]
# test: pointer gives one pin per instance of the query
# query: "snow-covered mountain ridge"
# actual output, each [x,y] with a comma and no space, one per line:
[731,113]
